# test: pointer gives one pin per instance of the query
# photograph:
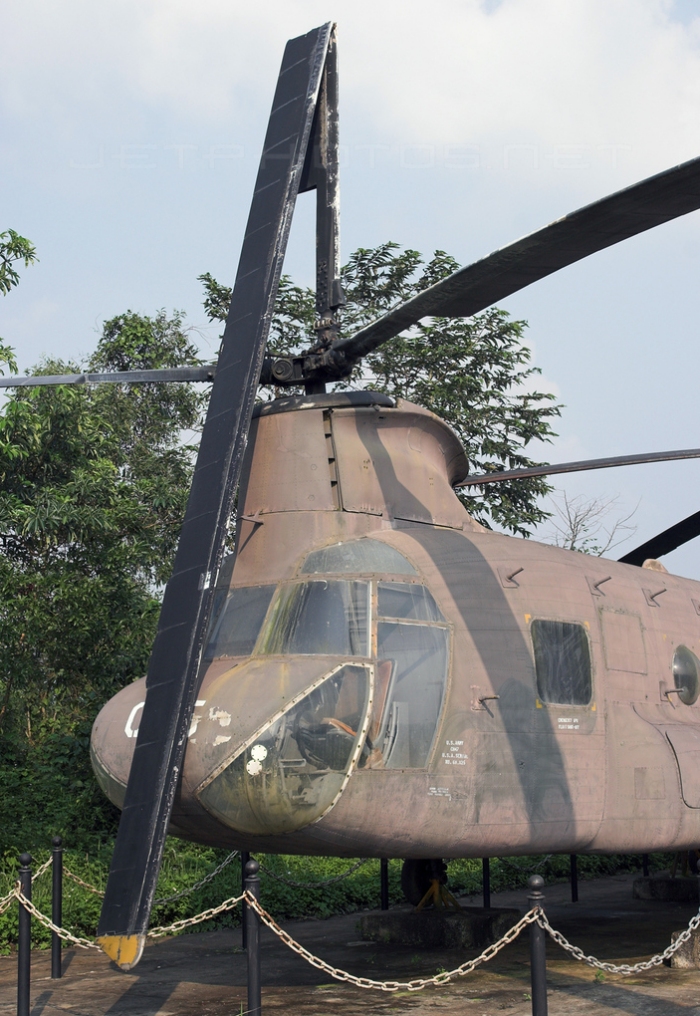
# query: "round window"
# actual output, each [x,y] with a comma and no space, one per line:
[686,675]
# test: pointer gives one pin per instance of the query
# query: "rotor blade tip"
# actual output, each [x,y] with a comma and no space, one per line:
[124,950]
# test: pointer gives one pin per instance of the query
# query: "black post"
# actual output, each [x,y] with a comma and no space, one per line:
[538,950]
[384,883]
[56,904]
[24,944]
[574,878]
[645,865]
[252,884]
[486,882]
[245,857]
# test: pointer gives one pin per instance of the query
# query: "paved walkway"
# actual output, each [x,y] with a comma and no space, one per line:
[205,973]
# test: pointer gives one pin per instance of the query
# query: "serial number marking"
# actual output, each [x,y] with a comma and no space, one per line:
[453,756]
[440,792]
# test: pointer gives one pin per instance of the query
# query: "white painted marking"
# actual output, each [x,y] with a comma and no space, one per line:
[129,727]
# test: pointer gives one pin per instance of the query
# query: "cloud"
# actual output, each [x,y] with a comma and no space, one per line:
[577,84]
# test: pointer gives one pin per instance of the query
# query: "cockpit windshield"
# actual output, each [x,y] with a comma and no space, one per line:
[323,617]
[235,629]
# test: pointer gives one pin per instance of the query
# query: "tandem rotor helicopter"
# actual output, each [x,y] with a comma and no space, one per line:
[373,673]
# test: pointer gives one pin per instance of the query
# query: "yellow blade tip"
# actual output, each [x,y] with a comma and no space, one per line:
[124,950]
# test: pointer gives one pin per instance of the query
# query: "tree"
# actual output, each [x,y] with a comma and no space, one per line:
[93,486]
[589,525]
[475,374]
[13,250]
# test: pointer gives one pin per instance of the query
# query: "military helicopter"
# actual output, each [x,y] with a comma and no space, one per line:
[373,673]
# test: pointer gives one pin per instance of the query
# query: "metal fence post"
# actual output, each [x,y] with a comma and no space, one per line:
[486,882]
[384,883]
[252,884]
[245,857]
[24,943]
[56,904]
[645,865]
[574,878]
[538,950]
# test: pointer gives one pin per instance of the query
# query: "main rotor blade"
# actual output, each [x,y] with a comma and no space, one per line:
[665,542]
[172,680]
[164,375]
[577,467]
[592,228]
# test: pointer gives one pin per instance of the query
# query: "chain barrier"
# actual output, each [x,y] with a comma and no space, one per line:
[82,943]
[525,871]
[313,885]
[156,903]
[535,915]
[198,885]
[622,968]
[85,885]
[367,982]
[206,915]
[42,868]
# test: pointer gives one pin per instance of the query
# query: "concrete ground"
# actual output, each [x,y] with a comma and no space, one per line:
[206,973]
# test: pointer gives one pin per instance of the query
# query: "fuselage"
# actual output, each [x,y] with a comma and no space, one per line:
[385,677]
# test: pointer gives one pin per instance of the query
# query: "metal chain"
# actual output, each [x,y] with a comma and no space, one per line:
[166,899]
[198,885]
[622,968]
[44,867]
[7,900]
[206,915]
[366,982]
[535,915]
[313,885]
[525,871]
[85,885]
[82,943]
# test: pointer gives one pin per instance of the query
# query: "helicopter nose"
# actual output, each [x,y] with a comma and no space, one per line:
[289,770]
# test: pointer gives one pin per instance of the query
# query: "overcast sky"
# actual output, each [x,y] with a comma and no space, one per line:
[131,131]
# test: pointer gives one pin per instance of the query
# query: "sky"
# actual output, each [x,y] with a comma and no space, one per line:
[130,134]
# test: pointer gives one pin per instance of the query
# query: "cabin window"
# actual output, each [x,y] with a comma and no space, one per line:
[321,617]
[562,663]
[409,680]
[686,675]
[236,630]
[360,556]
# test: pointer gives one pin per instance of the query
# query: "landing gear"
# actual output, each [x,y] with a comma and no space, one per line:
[417,878]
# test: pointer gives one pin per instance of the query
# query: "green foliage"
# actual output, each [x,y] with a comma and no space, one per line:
[475,374]
[93,487]
[14,249]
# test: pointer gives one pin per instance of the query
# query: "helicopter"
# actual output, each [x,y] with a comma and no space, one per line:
[372,672]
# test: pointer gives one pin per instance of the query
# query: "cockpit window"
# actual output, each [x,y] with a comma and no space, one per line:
[296,767]
[329,618]
[404,600]
[236,630]
[409,688]
[359,556]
